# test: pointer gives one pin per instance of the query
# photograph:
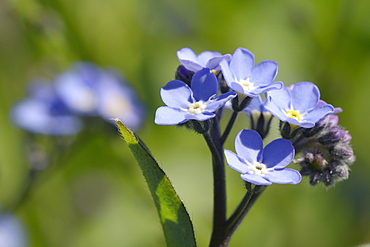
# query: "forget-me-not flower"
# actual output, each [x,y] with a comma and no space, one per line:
[117,100]
[299,105]
[243,77]
[89,90]
[12,233]
[256,107]
[43,112]
[196,103]
[206,59]
[262,166]
[78,86]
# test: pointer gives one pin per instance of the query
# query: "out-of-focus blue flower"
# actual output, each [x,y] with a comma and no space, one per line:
[118,100]
[299,105]
[243,77]
[90,90]
[78,86]
[11,232]
[262,166]
[206,59]
[44,112]
[195,103]
[256,105]
[259,116]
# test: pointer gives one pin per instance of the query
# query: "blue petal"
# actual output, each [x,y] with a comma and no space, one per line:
[220,101]
[117,100]
[77,88]
[305,96]
[242,63]
[270,87]
[35,116]
[238,88]
[169,116]
[281,98]
[187,54]
[235,162]
[303,123]
[255,179]
[248,145]
[226,72]
[284,176]
[189,59]
[177,94]
[12,232]
[214,63]
[278,153]
[200,116]
[205,56]
[212,59]
[318,113]
[255,104]
[276,105]
[264,72]
[204,85]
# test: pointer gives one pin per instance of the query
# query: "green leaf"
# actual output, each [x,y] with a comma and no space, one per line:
[175,220]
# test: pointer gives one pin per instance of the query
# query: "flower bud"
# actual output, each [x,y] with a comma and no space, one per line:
[328,121]
[289,131]
[342,152]
[260,122]
[339,168]
[310,132]
[240,102]
[184,75]
[334,135]
[224,88]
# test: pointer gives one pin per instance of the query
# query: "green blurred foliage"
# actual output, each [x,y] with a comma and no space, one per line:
[96,196]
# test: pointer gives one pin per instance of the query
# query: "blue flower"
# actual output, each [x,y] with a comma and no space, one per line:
[117,100]
[195,103]
[256,105]
[259,116]
[12,233]
[89,90]
[44,113]
[243,77]
[299,105]
[262,166]
[206,59]
[78,86]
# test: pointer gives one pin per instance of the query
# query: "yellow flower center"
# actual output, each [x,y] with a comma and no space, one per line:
[294,114]
[214,71]
[197,107]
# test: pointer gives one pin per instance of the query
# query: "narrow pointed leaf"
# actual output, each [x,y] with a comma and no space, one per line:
[175,220]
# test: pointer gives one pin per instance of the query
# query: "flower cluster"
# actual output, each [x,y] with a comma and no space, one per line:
[207,82]
[83,90]
[326,153]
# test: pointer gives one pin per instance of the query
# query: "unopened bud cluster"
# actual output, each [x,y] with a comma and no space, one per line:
[326,153]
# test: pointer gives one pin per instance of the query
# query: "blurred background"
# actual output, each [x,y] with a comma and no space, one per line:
[94,193]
